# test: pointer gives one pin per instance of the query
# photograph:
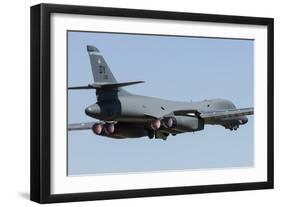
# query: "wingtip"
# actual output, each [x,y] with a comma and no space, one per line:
[91,48]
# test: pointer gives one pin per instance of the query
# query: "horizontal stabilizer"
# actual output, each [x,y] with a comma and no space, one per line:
[81,87]
[106,85]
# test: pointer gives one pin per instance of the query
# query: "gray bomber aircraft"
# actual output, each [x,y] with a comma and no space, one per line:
[122,114]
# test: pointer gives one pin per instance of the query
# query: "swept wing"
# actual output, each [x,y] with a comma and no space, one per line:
[213,115]
[80,126]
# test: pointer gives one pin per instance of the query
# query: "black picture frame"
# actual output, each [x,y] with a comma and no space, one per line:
[40,184]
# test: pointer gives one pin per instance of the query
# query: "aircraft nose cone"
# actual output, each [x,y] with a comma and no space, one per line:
[93,110]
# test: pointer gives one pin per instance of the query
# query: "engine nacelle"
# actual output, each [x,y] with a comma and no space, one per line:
[188,123]
[97,128]
[122,130]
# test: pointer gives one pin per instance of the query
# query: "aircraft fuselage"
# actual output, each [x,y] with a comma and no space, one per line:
[136,109]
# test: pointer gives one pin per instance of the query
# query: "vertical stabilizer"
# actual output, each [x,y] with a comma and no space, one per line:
[100,69]
[102,74]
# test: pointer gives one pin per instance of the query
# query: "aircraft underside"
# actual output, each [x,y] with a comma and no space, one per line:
[159,129]
[123,130]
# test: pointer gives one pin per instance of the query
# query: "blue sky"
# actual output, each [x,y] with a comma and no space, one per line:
[174,68]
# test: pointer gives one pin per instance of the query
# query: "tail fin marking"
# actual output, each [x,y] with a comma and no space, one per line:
[101,71]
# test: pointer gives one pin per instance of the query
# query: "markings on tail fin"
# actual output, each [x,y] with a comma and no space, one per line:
[100,69]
